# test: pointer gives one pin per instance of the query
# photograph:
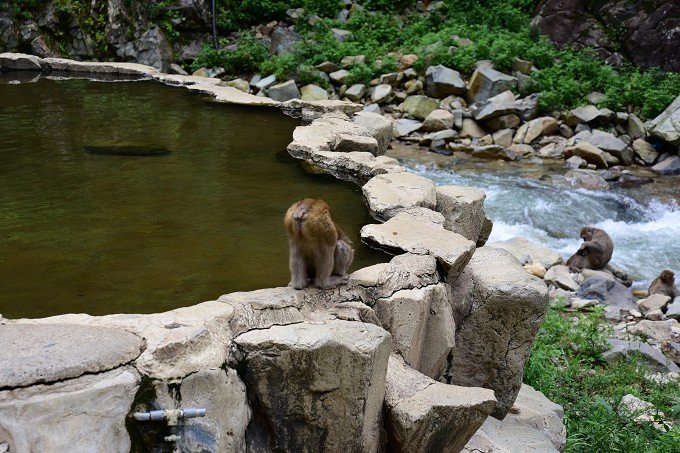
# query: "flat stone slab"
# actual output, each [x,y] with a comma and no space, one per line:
[39,353]
[232,95]
[407,234]
[388,194]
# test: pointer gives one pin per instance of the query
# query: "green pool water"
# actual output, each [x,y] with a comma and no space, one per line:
[138,197]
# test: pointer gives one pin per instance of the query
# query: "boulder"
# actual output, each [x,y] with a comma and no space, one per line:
[378,126]
[668,166]
[471,128]
[316,387]
[486,83]
[606,142]
[645,151]
[560,277]
[313,93]
[589,153]
[528,252]
[90,410]
[584,114]
[284,91]
[617,299]
[442,81]
[502,104]
[48,353]
[535,425]
[463,210]
[404,126]
[382,94]
[498,308]
[422,328]
[419,106]
[652,355]
[386,195]
[438,120]
[423,415]
[20,61]
[653,302]
[666,126]
[661,331]
[355,92]
[282,40]
[339,77]
[407,233]
[530,131]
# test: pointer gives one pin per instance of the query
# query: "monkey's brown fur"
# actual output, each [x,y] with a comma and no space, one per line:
[319,250]
[595,251]
[664,284]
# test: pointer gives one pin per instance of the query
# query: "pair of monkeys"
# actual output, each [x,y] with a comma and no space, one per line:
[596,251]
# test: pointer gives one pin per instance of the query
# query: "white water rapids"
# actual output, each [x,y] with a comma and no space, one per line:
[646,234]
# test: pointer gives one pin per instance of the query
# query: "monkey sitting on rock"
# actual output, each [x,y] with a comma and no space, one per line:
[595,251]
[319,251]
[664,284]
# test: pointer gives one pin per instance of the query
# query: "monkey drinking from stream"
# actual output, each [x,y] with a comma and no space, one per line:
[320,253]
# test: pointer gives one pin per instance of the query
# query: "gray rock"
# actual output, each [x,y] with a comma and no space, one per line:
[501,104]
[508,121]
[560,277]
[284,91]
[673,311]
[356,143]
[617,299]
[355,92]
[584,114]
[404,126]
[666,126]
[352,60]
[405,233]
[409,316]
[589,153]
[463,209]
[645,151]
[382,94]
[438,120]
[90,410]
[47,353]
[282,40]
[378,126]
[653,302]
[651,354]
[528,252]
[313,93]
[341,35]
[635,127]
[386,195]
[428,416]
[535,425]
[668,166]
[661,331]
[265,82]
[20,61]
[339,77]
[471,128]
[494,152]
[151,49]
[442,81]
[498,308]
[533,129]
[528,107]
[487,82]
[608,143]
[317,387]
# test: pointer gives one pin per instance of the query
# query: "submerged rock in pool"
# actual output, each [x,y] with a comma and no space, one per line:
[127,150]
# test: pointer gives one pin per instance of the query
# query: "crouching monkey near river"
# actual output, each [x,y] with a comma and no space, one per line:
[319,251]
[595,251]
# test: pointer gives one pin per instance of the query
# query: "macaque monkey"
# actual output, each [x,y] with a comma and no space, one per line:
[664,284]
[595,251]
[319,251]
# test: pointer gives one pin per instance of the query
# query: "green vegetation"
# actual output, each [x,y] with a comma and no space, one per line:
[566,365]
[457,34]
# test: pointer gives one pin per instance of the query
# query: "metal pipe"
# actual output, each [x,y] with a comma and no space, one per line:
[172,416]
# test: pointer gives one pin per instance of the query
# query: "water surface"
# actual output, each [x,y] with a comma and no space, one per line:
[101,232]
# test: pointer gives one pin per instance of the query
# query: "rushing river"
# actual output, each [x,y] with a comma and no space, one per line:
[645,230]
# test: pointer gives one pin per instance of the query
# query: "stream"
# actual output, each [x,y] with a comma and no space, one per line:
[643,222]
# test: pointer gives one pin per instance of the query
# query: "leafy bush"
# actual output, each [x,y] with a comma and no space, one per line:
[245,60]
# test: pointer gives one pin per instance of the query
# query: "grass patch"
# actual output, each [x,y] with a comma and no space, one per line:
[566,365]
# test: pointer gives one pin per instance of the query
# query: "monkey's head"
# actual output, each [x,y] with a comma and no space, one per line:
[587,233]
[667,277]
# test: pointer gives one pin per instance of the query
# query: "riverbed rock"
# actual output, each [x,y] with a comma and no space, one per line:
[530,131]
[407,233]
[388,194]
[316,387]
[378,126]
[645,151]
[652,355]
[606,142]
[486,82]
[666,126]
[653,302]
[560,277]
[498,308]
[428,416]
[313,92]
[661,331]
[284,91]
[591,153]
[438,120]
[20,61]
[616,298]
[528,252]
[668,166]
[442,81]
[419,106]
[404,126]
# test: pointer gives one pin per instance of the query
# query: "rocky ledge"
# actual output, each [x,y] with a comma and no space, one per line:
[409,355]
